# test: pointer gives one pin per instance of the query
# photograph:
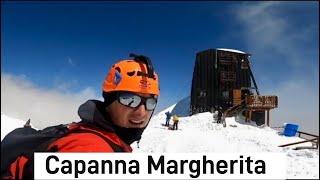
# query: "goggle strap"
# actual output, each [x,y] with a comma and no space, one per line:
[109,97]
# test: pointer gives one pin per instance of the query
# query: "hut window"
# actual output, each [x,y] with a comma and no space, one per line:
[203,94]
[225,94]
[244,64]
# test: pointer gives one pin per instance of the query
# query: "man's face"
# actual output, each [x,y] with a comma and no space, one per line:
[127,117]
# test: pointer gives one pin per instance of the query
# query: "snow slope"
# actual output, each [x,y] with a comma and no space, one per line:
[200,134]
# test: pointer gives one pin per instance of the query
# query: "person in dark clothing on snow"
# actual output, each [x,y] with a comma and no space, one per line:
[130,91]
[168,114]
[219,115]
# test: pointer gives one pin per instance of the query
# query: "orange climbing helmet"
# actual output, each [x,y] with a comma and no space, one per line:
[134,75]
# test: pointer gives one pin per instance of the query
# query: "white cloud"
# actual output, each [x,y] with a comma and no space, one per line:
[62,84]
[269,27]
[298,103]
[277,38]
[22,99]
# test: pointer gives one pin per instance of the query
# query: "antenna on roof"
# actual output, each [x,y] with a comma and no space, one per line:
[27,124]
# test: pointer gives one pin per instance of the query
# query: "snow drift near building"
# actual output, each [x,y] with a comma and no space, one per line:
[199,134]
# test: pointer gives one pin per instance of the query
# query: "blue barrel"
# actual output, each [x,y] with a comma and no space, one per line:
[290,129]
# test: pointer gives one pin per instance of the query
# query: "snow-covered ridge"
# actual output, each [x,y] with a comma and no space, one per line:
[8,124]
[200,134]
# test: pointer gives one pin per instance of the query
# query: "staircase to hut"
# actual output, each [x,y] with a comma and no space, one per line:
[250,104]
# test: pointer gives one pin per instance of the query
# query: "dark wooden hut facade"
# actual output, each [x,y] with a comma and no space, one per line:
[223,78]
[217,77]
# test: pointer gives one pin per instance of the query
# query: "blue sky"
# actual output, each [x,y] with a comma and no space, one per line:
[69,47]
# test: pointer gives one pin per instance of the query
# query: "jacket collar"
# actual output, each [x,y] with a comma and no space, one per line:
[93,111]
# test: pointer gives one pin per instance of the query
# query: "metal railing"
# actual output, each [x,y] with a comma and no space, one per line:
[314,140]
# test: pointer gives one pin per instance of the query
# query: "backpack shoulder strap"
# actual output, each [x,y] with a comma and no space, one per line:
[114,146]
[39,141]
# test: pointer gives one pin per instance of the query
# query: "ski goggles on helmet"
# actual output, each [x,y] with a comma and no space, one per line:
[133,100]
